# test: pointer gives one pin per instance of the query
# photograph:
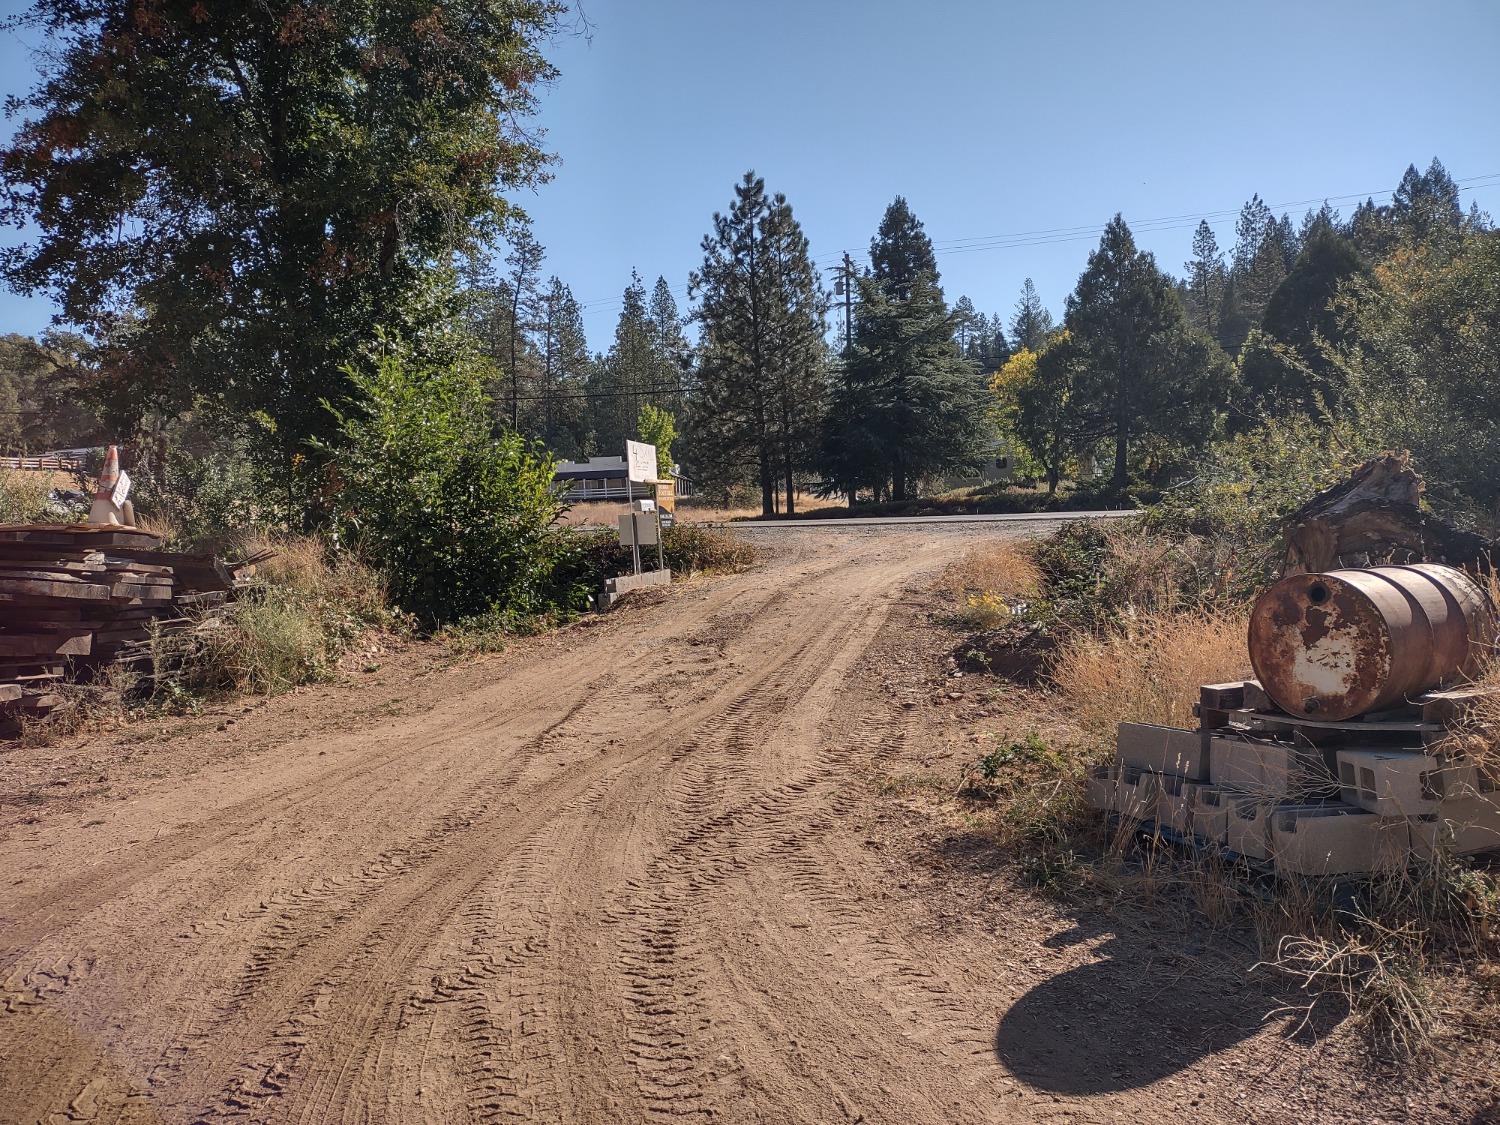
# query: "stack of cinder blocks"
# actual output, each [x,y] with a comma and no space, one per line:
[1308,798]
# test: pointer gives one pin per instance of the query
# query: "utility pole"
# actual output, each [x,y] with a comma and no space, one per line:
[843,286]
[848,304]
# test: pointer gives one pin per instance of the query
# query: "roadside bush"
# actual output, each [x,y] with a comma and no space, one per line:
[461,522]
[692,550]
[309,608]
[25,498]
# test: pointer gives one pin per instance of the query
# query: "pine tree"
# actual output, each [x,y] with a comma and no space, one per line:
[626,376]
[1249,232]
[1031,322]
[1426,208]
[1324,218]
[1283,365]
[1206,276]
[565,369]
[965,325]
[760,388]
[908,402]
[671,345]
[1267,269]
[901,252]
[997,349]
[522,298]
[1143,370]
[1371,231]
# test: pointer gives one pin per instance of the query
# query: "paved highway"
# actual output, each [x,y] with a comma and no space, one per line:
[912,521]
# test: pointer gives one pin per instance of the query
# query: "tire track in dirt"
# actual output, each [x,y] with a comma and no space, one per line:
[547,939]
[366,946]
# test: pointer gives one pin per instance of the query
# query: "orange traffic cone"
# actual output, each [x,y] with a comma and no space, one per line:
[110,492]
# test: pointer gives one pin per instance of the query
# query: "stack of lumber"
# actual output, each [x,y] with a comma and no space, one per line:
[75,598]
[1382,790]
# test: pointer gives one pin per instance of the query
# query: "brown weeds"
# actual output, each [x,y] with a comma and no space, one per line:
[1148,669]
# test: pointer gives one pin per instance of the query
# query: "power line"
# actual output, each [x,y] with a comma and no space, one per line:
[657,388]
[1053,236]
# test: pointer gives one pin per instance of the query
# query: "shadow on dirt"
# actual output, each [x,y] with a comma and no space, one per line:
[1160,992]
[1127,1020]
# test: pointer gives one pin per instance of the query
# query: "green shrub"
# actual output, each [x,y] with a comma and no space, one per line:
[25,498]
[461,522]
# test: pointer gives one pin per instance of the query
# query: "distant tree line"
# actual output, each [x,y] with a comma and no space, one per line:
[1143,372]
[233,281]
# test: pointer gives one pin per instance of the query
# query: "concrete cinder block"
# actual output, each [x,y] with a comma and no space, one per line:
[1337,839]
[1162,750]
[1136,792]
[1468,826]
[617,588]
[1222,697]
[1099,787]
[1269,769]
[1403,782]
[1247,826]
[1256,698]
[1174,803]
[1211,804]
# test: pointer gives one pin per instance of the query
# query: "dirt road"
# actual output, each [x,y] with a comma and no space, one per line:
[613,876]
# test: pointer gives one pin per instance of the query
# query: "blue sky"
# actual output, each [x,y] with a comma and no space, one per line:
[992,119]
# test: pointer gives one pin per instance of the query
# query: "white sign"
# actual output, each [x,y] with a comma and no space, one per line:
[640,460]
[122,489]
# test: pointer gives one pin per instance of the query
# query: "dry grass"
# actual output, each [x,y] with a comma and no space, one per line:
[1148,669]
[999,569]
[989,587]
[24,497]
[309,608]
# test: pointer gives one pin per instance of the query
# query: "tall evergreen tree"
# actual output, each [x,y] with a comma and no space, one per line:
[562,416]
[1031,321]
[1371,231]
[1267,268]
[906,395]
[1206,275]
[671,345]
[1283,365]
[966,325]
[760,387]
[1143,370]
[1425,207]
[1249,232]
[523,299]
[901,252]
[996,348]
[626,377]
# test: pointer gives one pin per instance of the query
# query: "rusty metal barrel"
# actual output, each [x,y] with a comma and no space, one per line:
[1339,644]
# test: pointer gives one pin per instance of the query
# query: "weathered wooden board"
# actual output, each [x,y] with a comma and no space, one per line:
[29,588]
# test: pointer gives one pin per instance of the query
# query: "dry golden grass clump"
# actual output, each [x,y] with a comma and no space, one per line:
[308,609]
[1003,569]
[1148,668]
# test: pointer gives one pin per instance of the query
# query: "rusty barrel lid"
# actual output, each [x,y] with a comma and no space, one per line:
[1330,646]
